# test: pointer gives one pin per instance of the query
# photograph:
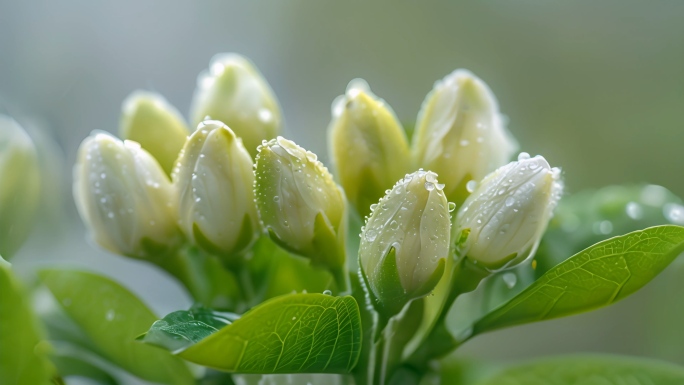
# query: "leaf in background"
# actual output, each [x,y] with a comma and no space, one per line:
[596,277]
[181,329]
[20,362]
[111,317]
[72,366]
[296,333]
[590,370]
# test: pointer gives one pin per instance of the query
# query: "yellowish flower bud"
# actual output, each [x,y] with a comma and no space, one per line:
[234,92]
[508,212]
[19,185]
[214,183]
[299,203]
[405,242]
[147,118]
[460,133]
[124,197]
[368,145]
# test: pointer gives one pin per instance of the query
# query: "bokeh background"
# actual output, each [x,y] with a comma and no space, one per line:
[596,87]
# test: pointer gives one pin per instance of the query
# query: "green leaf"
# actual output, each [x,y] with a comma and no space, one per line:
[296,333]
[590,370]
[181,329]
[598,276]
[111,317]
[21,362]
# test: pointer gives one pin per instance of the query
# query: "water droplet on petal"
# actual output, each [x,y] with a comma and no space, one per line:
[510,279]
[523,156]
[471,185]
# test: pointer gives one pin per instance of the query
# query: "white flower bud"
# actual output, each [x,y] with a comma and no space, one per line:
[214,184]
[405,242]
[147,118]
[299,203]
[508,212]
[124,197]
[234,92]
[368,145]
[460,133]
[19,185]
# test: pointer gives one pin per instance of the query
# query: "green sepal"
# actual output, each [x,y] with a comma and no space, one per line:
[327,251]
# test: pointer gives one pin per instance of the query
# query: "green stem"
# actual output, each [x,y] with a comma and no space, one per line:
[341,277]
[185,269]
[440,342]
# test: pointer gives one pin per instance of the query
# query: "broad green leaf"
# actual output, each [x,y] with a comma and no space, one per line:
[595,277]
[590,370]
[181,329]
[111,317]
[22,361]
[296,333]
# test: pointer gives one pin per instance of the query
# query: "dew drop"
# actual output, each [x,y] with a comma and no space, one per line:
[510,279]
[429,186]
[464,143]
[265,116]
[471,185]
[509,201]
[373,206]
[276,198]
[371,235]
[603,227]
[674,213]
[451,206]
[634,210]
[394,225]
[523,156]
[327,292]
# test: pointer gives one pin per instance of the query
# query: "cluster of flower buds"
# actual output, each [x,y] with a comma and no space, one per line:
[143,196]
[19,186]
[460,135]
[150,193]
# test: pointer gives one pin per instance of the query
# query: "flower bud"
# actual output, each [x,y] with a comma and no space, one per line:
[368,146]
[508,212]
[460,133]
[300,206]
[19,185]
[234,92]
[147,118]
[124,197]
[214,184]
[405,242]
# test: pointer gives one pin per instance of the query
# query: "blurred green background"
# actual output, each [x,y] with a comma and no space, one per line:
[596,87]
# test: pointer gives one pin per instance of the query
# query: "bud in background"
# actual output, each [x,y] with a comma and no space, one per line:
[405,242]
[147,118]
[234,92]
[368,146]
[214,183]
[300,205]
[508,212]
[19,185]
[460,133]
[124,197]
